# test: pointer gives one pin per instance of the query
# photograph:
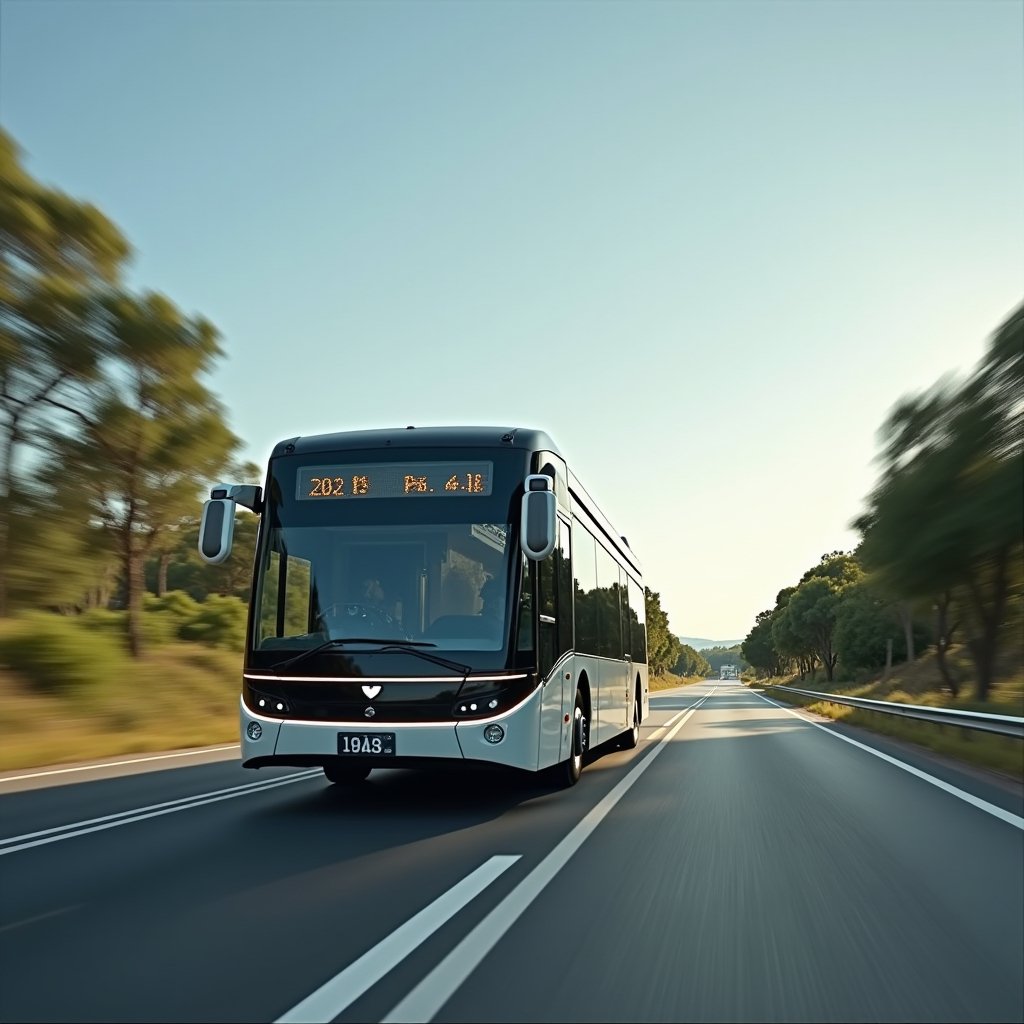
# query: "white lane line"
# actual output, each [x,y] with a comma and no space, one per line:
[983,805]
[668,724]
[14,844]
[117,764]
[345,988]
[427,998]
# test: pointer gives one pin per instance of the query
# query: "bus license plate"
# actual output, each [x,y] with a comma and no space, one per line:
[366,744]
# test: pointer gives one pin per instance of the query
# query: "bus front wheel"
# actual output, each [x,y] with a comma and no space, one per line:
[569,770]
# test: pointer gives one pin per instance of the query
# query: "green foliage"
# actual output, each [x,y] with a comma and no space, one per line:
[691,662]
[57,257]
[59,655]
[177,607]
[945,522]
[759,648]
[864,625]
[220,622]
[663,646]
[157,629]
[716,657]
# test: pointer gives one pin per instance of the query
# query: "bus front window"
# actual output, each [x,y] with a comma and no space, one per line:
[447,584]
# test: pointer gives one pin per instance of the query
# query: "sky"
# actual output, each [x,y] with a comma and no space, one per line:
[706,246]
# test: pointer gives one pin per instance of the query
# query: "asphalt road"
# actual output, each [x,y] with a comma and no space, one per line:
[743,863]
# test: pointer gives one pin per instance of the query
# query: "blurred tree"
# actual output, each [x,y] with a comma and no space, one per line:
[58,256]
[57,559]
[175,563]
[864,627]
[946,520]
[152,434]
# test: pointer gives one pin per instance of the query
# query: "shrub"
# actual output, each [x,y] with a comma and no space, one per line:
[157,628]
[176,606]
[219,621]
[57,655]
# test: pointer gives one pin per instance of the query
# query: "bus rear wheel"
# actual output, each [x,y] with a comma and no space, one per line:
[345,774]
[629,739]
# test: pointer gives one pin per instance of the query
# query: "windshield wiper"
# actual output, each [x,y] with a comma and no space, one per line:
[409,647]
[386,644]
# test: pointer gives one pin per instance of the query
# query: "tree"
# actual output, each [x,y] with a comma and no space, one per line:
[944,524]
[691,663]
[58,256]
[152,434]
[786,639]
[663,646]
[759,649]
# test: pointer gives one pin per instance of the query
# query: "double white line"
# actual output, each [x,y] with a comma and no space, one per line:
[429,996]
[15,844]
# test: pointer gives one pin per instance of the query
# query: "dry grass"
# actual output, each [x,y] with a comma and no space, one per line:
[182,695]
[668,681]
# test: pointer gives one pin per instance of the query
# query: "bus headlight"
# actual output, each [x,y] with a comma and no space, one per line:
[254,730]
[494,733]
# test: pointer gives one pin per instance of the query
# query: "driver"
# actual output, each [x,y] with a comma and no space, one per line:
[367,615]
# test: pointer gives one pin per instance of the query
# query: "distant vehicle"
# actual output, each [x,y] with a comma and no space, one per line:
[427,596]
[729,672]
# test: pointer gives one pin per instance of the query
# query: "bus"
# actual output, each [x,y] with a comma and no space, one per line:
[427,596]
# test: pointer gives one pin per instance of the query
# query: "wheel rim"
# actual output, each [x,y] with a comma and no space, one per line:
[581,725]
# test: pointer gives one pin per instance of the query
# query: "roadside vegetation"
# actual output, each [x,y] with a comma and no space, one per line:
[929,607]
[921,683]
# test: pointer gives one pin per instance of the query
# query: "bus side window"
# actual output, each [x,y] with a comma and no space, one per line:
[564,570]
[554,596]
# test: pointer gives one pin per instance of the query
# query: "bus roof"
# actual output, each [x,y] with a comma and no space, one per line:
[419,437]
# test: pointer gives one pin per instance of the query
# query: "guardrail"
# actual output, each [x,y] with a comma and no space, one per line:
[1002,725]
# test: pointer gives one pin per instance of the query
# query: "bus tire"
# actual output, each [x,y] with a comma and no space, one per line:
[570,770]
[345,774]
[631,737]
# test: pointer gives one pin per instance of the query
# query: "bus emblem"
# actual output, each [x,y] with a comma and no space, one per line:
[371,691]
[369,712]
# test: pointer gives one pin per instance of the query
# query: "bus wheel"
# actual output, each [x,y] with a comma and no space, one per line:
[569,770]
[342,774]
[628,740]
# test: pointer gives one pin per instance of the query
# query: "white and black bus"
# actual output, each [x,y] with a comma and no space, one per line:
[427,595]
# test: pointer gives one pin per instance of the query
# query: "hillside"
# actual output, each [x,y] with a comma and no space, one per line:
[700,644]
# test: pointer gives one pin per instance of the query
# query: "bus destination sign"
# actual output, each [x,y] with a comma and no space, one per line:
[395,480]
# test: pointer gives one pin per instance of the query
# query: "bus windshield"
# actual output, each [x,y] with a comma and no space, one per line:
[444,584]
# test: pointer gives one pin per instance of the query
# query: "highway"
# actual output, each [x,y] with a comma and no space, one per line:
[745,863]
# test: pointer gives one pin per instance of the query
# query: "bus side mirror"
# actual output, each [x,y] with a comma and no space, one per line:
[538,517]
[216,529]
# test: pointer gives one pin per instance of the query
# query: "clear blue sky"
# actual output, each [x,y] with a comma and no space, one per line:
[705,245]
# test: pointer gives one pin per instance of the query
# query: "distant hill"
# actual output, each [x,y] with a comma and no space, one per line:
[700,644]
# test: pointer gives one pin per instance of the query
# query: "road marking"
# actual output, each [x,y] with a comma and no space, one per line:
[974,801]
[14,844]
[427,998]
[345,988]
[40,917]
[117,764]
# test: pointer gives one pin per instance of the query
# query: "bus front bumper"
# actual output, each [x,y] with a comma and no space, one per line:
[269,741]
